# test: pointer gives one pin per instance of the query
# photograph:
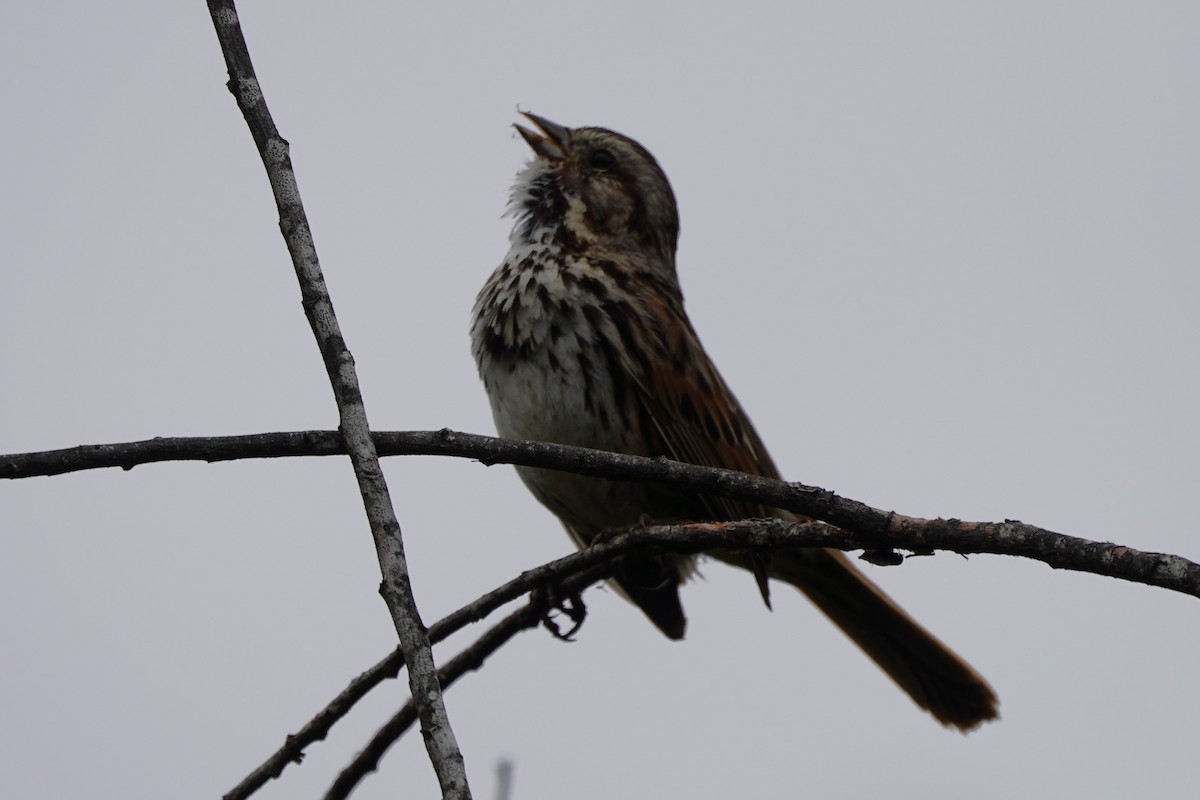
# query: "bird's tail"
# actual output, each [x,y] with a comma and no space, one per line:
[933,676]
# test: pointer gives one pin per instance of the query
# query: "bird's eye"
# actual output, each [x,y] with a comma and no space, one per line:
[603,160]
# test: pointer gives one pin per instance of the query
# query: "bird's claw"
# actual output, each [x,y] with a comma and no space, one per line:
[572,606]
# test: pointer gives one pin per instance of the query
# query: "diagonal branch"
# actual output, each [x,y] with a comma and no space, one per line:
[574,572]
[339,365]
[470,659]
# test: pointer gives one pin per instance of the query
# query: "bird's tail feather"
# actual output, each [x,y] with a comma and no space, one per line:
[936,678]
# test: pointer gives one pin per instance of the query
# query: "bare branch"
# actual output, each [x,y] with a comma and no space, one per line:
[579,570]
[584,572]
[128,455]
[470,659]
[872,527]
[339,365]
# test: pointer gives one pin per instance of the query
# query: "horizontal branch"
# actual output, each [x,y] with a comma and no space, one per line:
[871,528]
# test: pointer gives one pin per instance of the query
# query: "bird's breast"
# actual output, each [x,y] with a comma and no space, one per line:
[550,367]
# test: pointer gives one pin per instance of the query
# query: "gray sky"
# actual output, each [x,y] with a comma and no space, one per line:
[945,253]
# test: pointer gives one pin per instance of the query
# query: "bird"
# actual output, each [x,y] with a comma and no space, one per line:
[581,338]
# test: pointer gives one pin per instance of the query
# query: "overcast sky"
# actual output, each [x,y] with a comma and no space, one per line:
[945,253]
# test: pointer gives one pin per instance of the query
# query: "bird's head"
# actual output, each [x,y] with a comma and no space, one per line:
[592,188]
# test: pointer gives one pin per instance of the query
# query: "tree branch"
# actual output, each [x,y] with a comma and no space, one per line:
[470,659]
[575,572]
[339,365]
[872,527]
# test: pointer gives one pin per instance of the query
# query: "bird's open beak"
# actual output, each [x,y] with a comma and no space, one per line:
[552,143]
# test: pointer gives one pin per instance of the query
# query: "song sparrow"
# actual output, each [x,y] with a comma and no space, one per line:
[581,338]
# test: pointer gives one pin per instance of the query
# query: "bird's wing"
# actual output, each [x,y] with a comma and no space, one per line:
[701,422]
[697,416]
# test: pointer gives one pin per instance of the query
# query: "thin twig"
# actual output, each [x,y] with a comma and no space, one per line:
[443,750]
[504,773]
